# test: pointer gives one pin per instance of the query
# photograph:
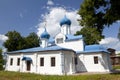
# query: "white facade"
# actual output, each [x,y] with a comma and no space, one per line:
[86,63]
[64,63]
[77,45]
[68,55]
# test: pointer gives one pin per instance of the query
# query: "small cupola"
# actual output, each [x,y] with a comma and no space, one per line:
[45,35]
[44,38]
[66,21]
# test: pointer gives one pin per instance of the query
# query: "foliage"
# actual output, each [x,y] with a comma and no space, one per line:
[16,41]
[28,76]
[113,13]
[1,60]
[98,13]
[91,35]
[32,40]
[89,17]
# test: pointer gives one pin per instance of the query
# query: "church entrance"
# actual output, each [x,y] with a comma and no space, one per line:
[28,64]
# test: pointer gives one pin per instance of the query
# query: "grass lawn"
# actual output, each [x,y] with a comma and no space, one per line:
[5,75]
[116,67]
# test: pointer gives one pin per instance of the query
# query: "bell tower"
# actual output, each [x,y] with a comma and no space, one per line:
[65,24]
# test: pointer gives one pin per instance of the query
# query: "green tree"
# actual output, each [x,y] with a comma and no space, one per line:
[15,41]
[91,35]
[32,40]
[89,17]
[1,60]
[98,13]
[113,13]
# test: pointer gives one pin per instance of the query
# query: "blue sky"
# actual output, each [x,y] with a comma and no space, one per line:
[27,16]
[24,15]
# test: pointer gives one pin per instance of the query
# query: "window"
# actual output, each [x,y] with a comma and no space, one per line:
[76,62]
[42,61]
[52,61]
[11,61]
[18,61]
[59,40]
[95,59]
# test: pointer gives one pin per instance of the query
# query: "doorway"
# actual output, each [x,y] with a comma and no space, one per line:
[28,65]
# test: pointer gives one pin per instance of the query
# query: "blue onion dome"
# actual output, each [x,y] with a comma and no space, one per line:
[65,20]
[45,35]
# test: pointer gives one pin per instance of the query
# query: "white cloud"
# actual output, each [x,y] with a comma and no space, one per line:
[3,38]
[53,20]
[50,2]
[111,42]
[4,50]
[118,21]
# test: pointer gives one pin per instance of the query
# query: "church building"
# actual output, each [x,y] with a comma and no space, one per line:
[64,54]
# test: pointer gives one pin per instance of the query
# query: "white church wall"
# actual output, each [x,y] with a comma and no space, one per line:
[80,63]
[14,66]
[47,68]
[64,61]
[32,65]
[107,62]
[86,63]
[22,67]
[69,63]
[74,45]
